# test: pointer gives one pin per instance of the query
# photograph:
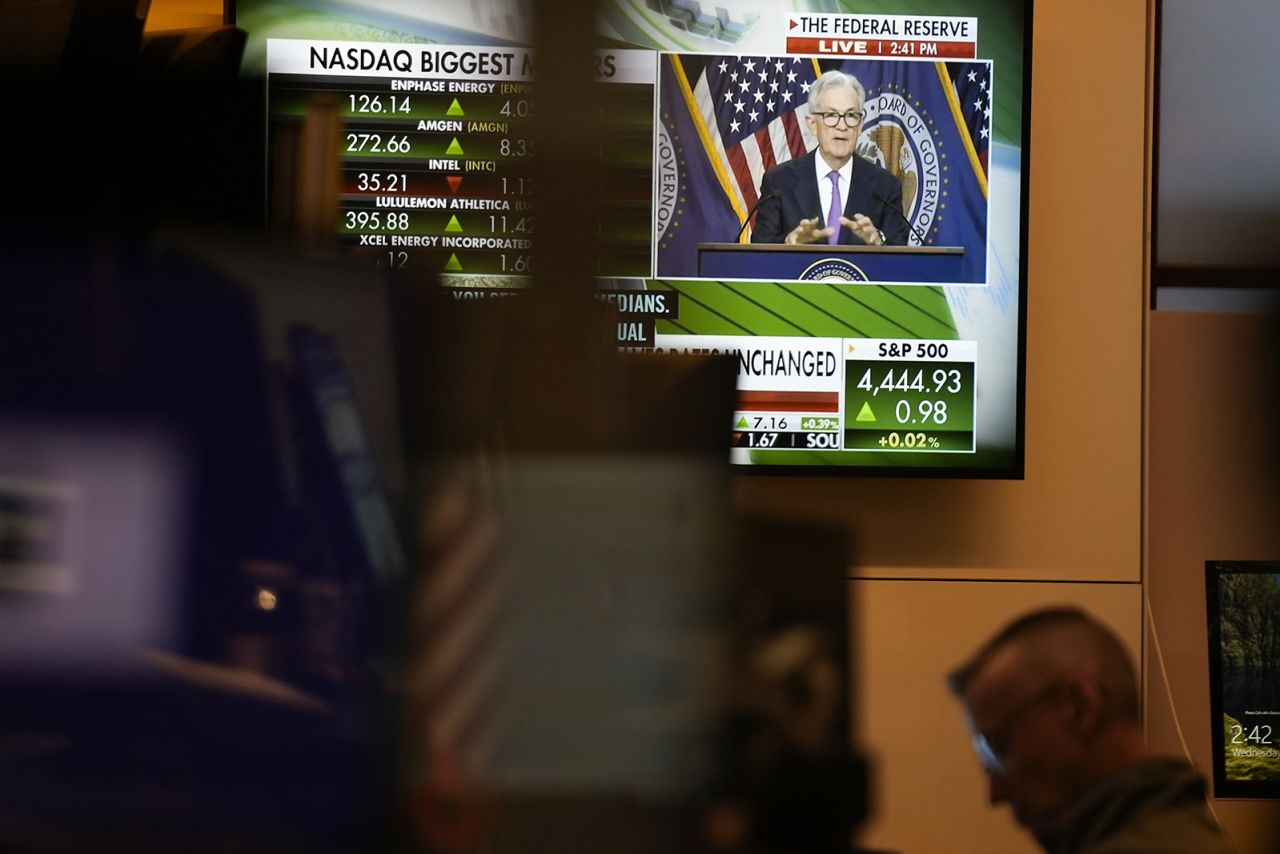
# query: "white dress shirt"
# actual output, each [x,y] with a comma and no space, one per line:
[824,185]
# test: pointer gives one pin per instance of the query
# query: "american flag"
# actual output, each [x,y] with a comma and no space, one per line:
[461,661]
[753,108]
[972,82]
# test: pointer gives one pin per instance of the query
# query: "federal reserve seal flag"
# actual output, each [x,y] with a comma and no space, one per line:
[919,128]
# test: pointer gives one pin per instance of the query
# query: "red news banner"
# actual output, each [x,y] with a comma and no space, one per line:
[924,36]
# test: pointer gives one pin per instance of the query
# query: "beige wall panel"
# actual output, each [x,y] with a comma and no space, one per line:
[1214,476]
[930,793]
[1078,514]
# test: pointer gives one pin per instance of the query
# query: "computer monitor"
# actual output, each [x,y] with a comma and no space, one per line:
[1243,599]
[403,134]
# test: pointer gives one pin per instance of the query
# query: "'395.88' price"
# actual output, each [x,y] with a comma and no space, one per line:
[376,221]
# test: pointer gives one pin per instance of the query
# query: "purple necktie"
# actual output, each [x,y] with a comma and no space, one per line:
[833,215]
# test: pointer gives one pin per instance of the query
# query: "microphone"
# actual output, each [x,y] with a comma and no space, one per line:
[901,215]
[760,201]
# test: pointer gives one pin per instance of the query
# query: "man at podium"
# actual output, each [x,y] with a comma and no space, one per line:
[831,195]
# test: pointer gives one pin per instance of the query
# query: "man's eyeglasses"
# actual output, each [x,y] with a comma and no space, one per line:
[991,744]
[851,118]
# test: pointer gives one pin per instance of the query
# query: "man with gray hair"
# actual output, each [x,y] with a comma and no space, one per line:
[1052,702]
[830,194]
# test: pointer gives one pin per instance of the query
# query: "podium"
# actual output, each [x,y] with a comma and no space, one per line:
[827,263]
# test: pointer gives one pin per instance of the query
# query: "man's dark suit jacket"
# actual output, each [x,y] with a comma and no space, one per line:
[797,189]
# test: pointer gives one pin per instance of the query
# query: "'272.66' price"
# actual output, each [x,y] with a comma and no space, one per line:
[376,143]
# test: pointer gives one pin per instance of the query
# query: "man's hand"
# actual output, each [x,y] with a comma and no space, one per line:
[864,228]
[810,231]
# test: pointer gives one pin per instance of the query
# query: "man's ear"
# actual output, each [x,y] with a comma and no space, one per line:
[1083,705]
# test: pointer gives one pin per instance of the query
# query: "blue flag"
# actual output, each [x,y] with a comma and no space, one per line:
[972,82]
[692,204]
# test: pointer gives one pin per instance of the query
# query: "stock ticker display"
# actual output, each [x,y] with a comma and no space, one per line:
[435,148]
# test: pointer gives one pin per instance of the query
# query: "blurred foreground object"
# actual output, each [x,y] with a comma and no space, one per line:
[155,609]
[594,662]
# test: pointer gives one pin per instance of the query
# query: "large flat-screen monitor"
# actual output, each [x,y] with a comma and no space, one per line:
[1244,676]
[896,349]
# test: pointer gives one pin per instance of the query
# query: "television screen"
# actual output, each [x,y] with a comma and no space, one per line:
[857,243]
[1244,671]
